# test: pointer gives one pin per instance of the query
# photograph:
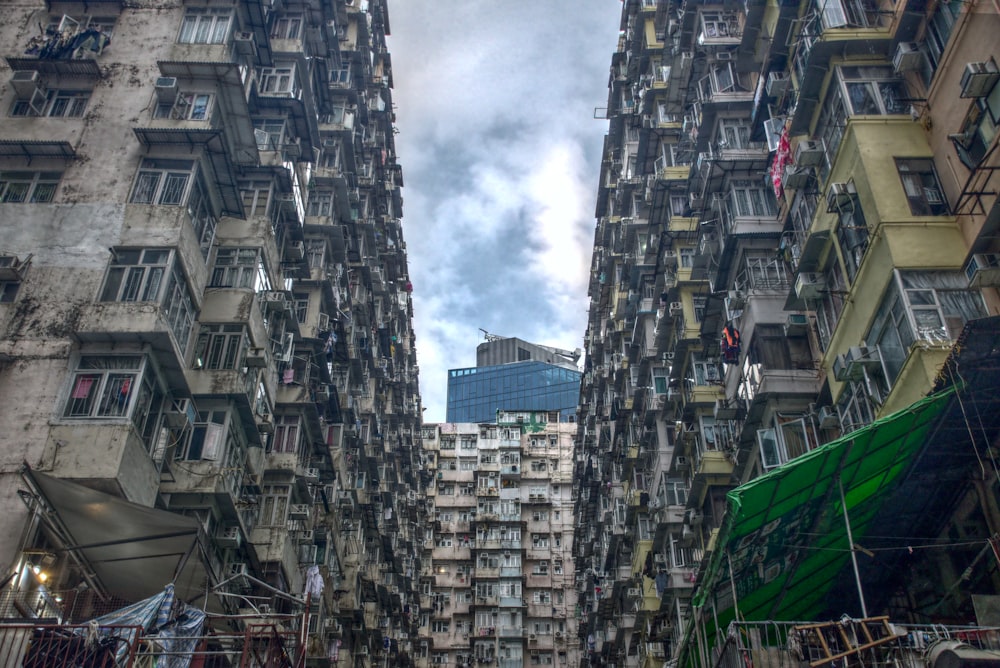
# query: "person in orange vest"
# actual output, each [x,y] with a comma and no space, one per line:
[730,344]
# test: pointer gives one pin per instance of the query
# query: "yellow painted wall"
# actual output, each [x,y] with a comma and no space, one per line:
[897,238]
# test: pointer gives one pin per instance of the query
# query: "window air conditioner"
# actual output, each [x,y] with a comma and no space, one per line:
[827,417]
[809,152]
[180,414]
[796,324]
[978,79]
[633,592]
[809,286]
[863,357]
[255,358]
[11,268]
[682,462]
[907,57]
[777,84]
[983,270]
[298,511]
[310,473]
[229,537]
[840,195]
[676,308]
[243,44]
[166,89]
[237,569]
[796,177]
[305,536]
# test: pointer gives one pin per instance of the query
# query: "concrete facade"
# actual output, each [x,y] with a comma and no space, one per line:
[783,182]
[206,309]
[499,577]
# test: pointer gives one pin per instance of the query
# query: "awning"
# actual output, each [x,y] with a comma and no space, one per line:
[132,550]
[784,534]
[36,148]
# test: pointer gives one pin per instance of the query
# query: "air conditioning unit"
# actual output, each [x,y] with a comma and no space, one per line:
[809,286]
[180,414]
[298,511]
[25,83]
[305,536]
[166,89]
[676,308]
[296,250]
[244,45]
[11,268]
[660,560]
[796,177]
[862,357]
[532,636]
[682,462]
[229,537]
[558,635]
[907,57]
[275,299]
[237,569]
[255,358]
[983,270]
[810,152]
[839,369]
[633,592]
[796,324]
[978,79]
[840,195]
[827,417]
[310,473]
[777,84]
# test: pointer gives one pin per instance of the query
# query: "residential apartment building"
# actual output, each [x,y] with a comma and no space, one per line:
[795,244]
[498,581]
[513,373]
[206,353]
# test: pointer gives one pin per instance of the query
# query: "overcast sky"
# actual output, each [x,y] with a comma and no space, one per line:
[501,155]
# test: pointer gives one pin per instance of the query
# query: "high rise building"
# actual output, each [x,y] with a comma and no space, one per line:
[499,580]
[207,363]
[513,374]
[790,365]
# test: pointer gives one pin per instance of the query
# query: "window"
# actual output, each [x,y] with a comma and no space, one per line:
[921,186]
[789,439]
[287,26]
[239,268]
[256,197]
[440,626]
[274,505]
[539,540]
[104,386]
[207,437]
[751,199]
[162,182]
[186,106]
[320,203]
[277,80]
[687,257]
[852,235]
[206,25]
[269,133]
[152,275]
[927,306]
[221,346]
[873,90]
[8,291]
[286,434]
[28,187]
[57,104]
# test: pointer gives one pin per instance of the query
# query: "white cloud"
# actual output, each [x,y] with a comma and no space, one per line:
[500,156]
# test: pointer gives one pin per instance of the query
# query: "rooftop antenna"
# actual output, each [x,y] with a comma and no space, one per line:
[490,337]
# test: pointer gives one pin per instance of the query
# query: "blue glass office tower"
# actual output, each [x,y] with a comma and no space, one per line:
[475,394]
